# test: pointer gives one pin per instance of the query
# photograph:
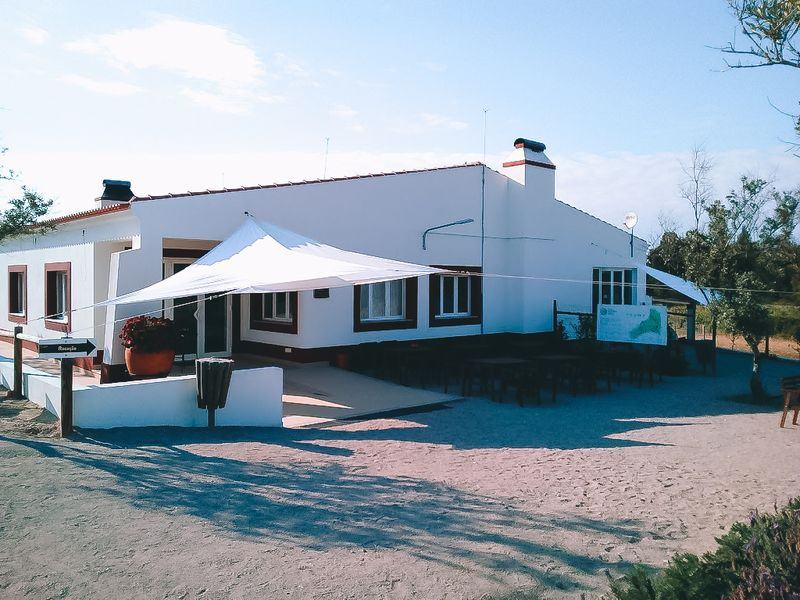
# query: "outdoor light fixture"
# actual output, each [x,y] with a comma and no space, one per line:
[630,222]
[427,231]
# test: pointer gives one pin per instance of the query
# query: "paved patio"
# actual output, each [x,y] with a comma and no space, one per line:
[314,394]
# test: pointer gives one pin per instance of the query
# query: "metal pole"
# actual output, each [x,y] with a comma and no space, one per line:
[66,396]
[631,242]
[17,392]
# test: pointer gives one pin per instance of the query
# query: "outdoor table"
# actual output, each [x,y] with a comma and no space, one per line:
[554,364]
[416,358]
[489,369]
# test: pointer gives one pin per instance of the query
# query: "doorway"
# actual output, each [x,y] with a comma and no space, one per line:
[203,324]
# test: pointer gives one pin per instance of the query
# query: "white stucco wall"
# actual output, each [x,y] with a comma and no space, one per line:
[255,399]
[528,234]
[87,245]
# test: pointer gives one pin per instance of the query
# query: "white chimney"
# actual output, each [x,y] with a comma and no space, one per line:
[528,165]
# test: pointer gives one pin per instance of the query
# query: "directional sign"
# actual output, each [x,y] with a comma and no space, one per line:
[67,348]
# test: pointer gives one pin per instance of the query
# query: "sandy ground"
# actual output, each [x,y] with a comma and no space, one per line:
[477,500]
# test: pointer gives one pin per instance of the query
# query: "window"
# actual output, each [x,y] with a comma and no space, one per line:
[385,305]
[455,299]
[454,296]
[57,296]
[17,293]
[613,286]
[383,301]
[274,312]
[276,307]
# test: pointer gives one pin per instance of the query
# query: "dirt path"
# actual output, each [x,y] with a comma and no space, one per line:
[473,501]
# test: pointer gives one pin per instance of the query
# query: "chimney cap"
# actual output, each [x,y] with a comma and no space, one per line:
[529,144]
[116,190]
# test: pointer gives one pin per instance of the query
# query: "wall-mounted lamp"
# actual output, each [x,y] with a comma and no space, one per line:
[427,231]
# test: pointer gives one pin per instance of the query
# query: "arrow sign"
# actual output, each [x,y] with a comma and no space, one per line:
[67,348]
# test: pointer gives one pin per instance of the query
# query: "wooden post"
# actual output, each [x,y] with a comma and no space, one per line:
[17,392]
[555,316]
[66,396]
[714,345]
[766,346]
[691,319]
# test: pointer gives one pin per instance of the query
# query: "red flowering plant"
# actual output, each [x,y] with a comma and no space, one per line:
[149,334]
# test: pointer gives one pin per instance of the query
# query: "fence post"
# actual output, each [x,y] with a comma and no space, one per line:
[766,346]
[17,392]
[555,315]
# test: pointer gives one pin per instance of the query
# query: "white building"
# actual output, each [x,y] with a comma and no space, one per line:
[526,248]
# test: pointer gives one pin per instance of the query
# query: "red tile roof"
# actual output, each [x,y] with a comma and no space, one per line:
[292,183]
[86,214]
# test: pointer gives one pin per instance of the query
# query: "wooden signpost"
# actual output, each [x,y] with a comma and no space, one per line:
[67,350]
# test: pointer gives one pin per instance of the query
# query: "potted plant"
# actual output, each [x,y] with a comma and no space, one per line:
[149,345]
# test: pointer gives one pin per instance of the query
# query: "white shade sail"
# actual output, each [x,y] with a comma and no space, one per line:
[691,290]
[260,257]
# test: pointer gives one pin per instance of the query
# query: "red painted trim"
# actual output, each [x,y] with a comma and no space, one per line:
[313,181]
[95,212]
[517,163]
[26,344]
[21,319]
[410,322]
[62,326]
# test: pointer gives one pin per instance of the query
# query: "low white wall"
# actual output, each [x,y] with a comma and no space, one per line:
[43,389]
[255,399]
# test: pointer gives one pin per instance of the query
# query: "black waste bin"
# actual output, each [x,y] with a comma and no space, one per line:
[213,381]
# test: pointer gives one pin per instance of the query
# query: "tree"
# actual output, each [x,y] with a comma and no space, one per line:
[746,256]
[24,212]
[697,188]
[770,28]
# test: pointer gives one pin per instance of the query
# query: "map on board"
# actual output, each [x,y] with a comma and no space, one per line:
[633,324]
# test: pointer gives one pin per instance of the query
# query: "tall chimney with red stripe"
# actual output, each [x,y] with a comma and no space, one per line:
[528,165]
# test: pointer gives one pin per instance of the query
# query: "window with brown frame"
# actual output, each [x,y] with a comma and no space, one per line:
[385,305]
[18,293]
[274,312]
[57,294]
[455,299]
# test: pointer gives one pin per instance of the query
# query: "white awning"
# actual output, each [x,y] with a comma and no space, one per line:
[691,290]
[260,257]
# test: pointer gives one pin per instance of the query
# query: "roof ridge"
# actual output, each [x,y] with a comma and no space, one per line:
[248,188]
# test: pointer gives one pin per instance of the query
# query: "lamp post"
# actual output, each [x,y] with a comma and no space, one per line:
[630,222]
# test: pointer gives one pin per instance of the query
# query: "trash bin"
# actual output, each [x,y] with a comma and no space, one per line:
[213,381]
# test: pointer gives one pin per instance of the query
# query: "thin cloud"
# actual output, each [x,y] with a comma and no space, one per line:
[343,111]
[34,35]
[108,88]
[221,69]
[434,120]
[434,67]
[194,50]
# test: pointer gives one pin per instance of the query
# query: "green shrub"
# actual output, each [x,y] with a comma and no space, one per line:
[754,561]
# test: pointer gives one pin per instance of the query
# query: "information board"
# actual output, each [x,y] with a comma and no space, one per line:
[636,324]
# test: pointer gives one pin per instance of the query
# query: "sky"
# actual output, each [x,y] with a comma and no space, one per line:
[178,96]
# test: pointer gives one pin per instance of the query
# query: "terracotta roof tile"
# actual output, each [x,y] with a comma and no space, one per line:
[305,182]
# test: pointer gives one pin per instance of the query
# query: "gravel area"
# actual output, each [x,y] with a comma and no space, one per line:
[473,500]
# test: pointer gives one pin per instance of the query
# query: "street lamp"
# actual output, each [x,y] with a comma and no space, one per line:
[630,222]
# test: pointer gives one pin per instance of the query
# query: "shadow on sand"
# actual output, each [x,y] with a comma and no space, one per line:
[322,506]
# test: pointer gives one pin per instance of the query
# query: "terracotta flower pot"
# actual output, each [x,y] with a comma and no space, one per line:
[148,364]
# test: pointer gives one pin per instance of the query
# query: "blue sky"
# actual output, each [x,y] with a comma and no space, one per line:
[191,95]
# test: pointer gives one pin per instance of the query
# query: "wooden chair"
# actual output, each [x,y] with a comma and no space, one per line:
[790,386]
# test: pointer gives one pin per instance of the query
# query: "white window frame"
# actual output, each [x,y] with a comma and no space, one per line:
[21,292]
[611,271]
[60,284]
[366,289]
[271,298]
[455,314]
